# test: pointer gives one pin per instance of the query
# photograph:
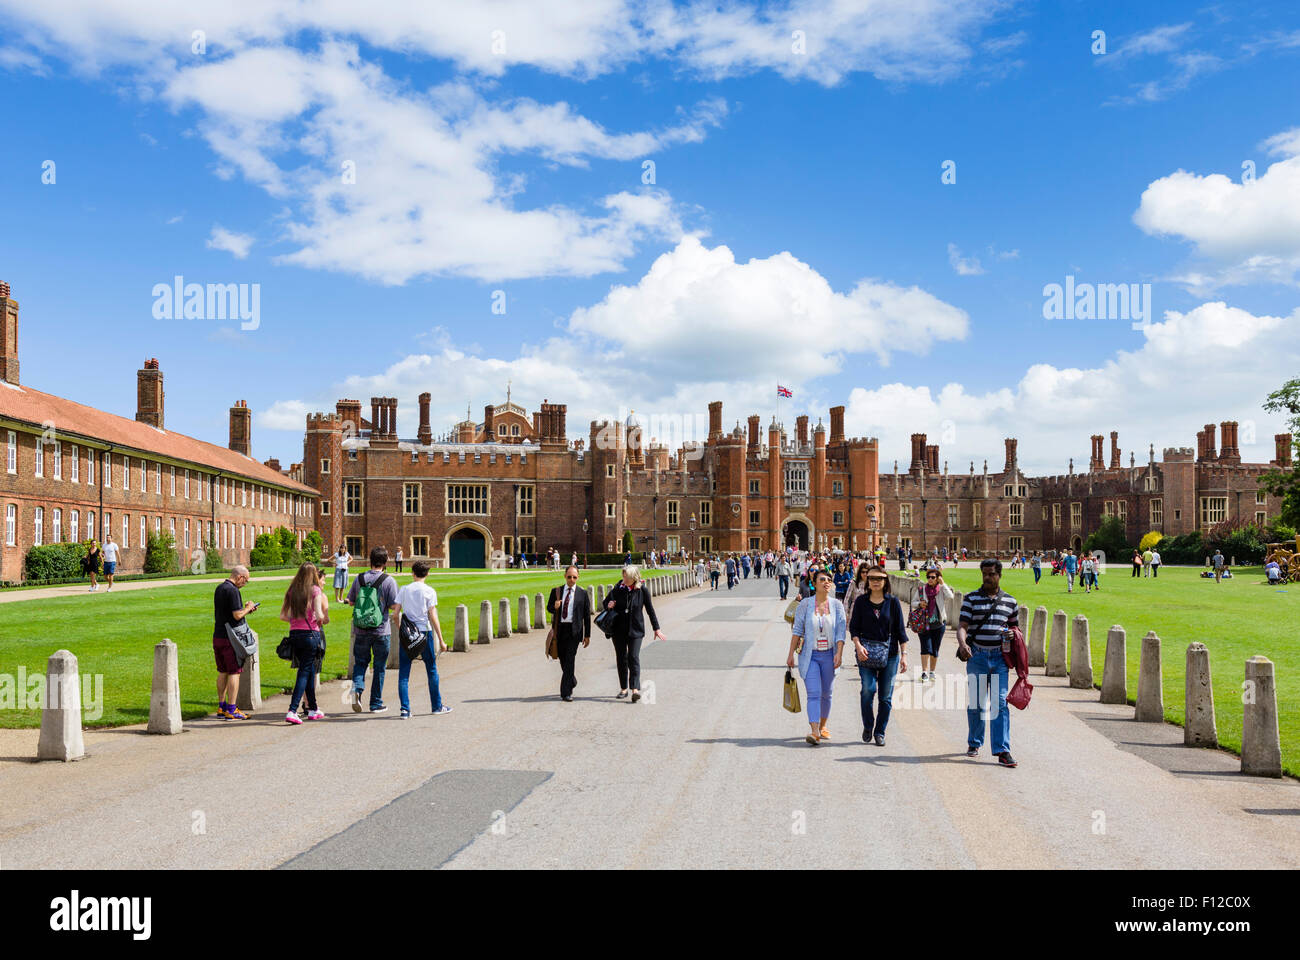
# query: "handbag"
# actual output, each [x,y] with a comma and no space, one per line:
[1020,693]
[285,649]
[552,648]
[877,654]
[790,698]
[917,621]
[243,640]
[411,637]
[605,621]
[790,611]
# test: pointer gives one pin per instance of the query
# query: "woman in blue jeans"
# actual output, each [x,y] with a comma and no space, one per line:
[305,611]
[818,636]
[880,642]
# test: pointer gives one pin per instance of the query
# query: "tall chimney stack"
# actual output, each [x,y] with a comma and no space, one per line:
[715,420]
[1210,447]
[837,424]
[1010,444]
[918,454]
[1114,450]
[8,336]
[241,420]
[425,433]
[1282,449]
[801,424]
[149,394]
[753,433]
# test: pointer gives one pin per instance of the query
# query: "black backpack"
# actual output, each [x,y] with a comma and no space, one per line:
[411,638]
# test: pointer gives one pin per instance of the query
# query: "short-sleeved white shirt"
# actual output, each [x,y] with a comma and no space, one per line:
[415,599]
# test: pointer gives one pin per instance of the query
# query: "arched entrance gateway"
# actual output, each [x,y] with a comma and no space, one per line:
[467,547]
[1076,543]
[796,534]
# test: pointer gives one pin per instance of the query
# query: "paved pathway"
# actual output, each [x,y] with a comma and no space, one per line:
[710,773]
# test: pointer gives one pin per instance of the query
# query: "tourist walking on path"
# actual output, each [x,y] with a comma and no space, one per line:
[372,595]
[1155,562]
[570,610]
[1037,564]
[229,610]
[304,610]
[783,575]
[857,587]
[1137,563]
[1071,568]
[843,577]
[715,571]
[110,559]
[1218,565]
[731,572]
[880,642]
[341,560]
[936,595]
[701,571]
[818,636]
[418,603]
[983,633]
[630,599]
[90,564]
[1146,562]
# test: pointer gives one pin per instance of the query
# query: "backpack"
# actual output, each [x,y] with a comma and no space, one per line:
[369,613]
[412,638]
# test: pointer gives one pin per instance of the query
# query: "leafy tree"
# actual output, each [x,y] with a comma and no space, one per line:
[266,551]
[1285,483]
[1150,540]
[1111,539]
[160,554]
[212,561]
[1188,548]
[312,545]
[1239,539]
[628,543]
[288,541]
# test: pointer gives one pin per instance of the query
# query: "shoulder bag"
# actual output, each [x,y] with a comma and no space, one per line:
[411,637]
[243,640]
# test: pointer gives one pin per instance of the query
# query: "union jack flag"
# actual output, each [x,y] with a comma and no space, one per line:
[783,391]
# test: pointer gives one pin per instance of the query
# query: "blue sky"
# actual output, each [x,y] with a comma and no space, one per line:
[797,229]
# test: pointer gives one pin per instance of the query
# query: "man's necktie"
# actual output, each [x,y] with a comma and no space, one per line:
[564,611]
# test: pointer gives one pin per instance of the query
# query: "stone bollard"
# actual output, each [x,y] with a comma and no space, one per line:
[1151,695]
[249,697]
[460,637]
[1261,748]
[1038,638]
[1199,729]
[1114,671]
[165,698]
[521,621]
[539,611]
[503,618]
[61,710]
[484,622]
[600,596]
[1056,649]
[591,598]
[954,611]
[1080,654]
[1022,618]
[394,644]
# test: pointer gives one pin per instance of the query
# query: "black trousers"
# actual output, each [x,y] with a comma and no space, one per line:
[566,644]
[628,654]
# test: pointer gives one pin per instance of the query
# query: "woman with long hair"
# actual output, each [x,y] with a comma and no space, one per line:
[305,611]
[857,587]
[936,595]
[881,646]
[818,638]
[90,564]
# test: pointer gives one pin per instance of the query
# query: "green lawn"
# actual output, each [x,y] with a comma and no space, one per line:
[1235,619]
[113,635]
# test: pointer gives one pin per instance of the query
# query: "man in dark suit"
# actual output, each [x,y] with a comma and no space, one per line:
[570,610]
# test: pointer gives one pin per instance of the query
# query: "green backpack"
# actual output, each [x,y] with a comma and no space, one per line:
[369,611]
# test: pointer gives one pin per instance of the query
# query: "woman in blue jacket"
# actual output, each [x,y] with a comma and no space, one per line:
[820,625]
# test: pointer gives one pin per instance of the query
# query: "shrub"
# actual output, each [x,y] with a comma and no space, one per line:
[1239,539]
[312,545]
[1111,540]
[266,551]
[288,540]
[1189,548]
[55,561]
[1149,541]
[629,544]
[1280,532]
[160,554]
[212,561]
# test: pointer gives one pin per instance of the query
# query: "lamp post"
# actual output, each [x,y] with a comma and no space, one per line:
[923,526]
[654,543]
[694,537]
[874,524]
[997,535]
[587,538]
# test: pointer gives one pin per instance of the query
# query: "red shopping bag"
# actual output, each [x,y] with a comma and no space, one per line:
[1020,693]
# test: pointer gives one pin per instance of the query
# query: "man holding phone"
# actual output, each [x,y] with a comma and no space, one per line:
[229,609]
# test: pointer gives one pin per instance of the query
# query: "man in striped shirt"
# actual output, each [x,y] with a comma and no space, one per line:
[983,632]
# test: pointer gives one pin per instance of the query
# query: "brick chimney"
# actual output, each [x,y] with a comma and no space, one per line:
[1210,449]
[274,464]
[1097,460]
[1229,452]
[918,453]
[932,458]
[801,425]
[1010,444]
[8,336]
[349,411]
[149,394]
[837,424]
[1282,448]
[425,433]
[1114,450]
[241,420]
[753,433]
[553,425]
[489,423]
[715,420]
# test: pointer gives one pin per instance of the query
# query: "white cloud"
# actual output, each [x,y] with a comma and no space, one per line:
[696,327]
[236,244]
[1246,232]
[1210,364]
[965,266]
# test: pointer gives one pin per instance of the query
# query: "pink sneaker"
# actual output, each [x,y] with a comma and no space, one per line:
[292,718]
[316,715]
